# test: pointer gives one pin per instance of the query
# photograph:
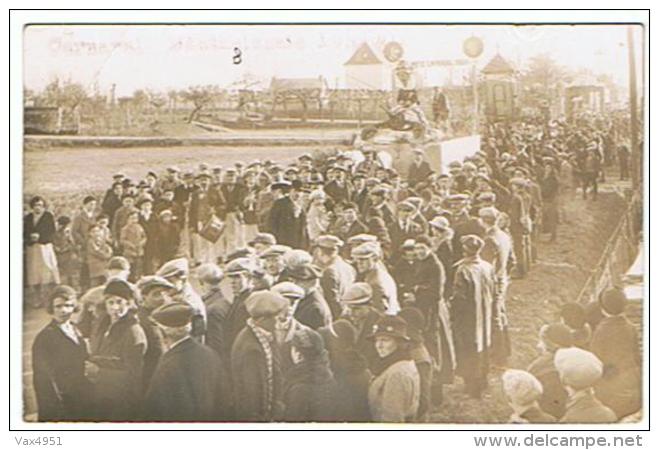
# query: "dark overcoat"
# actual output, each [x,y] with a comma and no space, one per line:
[313,310]
[187,385]
[309,392]
[58,366]
[288,229]
[119,354]
[250,381]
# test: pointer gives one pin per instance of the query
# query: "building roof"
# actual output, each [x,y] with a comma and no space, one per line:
[363,56]
[498,65]
[284,84]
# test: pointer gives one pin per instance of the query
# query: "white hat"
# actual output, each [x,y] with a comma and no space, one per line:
[577,368]
[521,387]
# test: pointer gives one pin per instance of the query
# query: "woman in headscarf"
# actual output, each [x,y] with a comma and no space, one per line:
[309,391]
[115,367]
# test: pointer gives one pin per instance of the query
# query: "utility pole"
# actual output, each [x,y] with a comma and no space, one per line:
[633,126]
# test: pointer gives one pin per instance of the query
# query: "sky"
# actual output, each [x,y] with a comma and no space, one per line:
[164,57]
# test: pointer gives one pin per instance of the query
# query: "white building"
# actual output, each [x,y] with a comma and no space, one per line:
[364,70]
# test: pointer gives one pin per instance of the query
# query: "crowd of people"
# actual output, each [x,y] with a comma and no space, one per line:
[331,289]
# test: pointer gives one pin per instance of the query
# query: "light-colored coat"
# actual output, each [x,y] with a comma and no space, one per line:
[385,292]
[394,395]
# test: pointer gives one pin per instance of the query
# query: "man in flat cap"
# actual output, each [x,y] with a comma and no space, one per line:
[349,223]
[177,272]
[273,263]
[337,273]
[312,310]
[261,242]
[155,291]
[370,269]
[404,227]
[579,371]
[189,383]
[255,359]
[285,330]
[240,273]
[471,314]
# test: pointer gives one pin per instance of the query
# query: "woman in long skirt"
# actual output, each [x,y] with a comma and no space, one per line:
[40,260]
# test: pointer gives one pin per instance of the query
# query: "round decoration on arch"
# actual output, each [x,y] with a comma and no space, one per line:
[393,51]
[472,47]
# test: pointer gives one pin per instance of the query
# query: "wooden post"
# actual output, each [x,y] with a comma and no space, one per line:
[633,126]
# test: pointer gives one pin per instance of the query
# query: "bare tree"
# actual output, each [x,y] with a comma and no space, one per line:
[199,96]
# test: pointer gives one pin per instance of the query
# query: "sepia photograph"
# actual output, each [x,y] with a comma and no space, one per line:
[357,223]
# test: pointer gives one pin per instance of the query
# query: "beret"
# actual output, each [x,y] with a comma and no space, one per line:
[275,250]
[521,387]
[613,301]
[578,368]
[288,290]
[175,267]
[209,273]
[145,284]
[174,314]
[265,303]
[117,287]
[118,263]
[471,244]
[357,294]
[239,265]
[62,291]
[329,241]
[263,238]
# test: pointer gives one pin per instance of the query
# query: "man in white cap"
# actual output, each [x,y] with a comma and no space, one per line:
[366,258]
[523,390]
[176,272]
[240,273]
[337,273]
[471,315]
[579,371]
[284,331]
